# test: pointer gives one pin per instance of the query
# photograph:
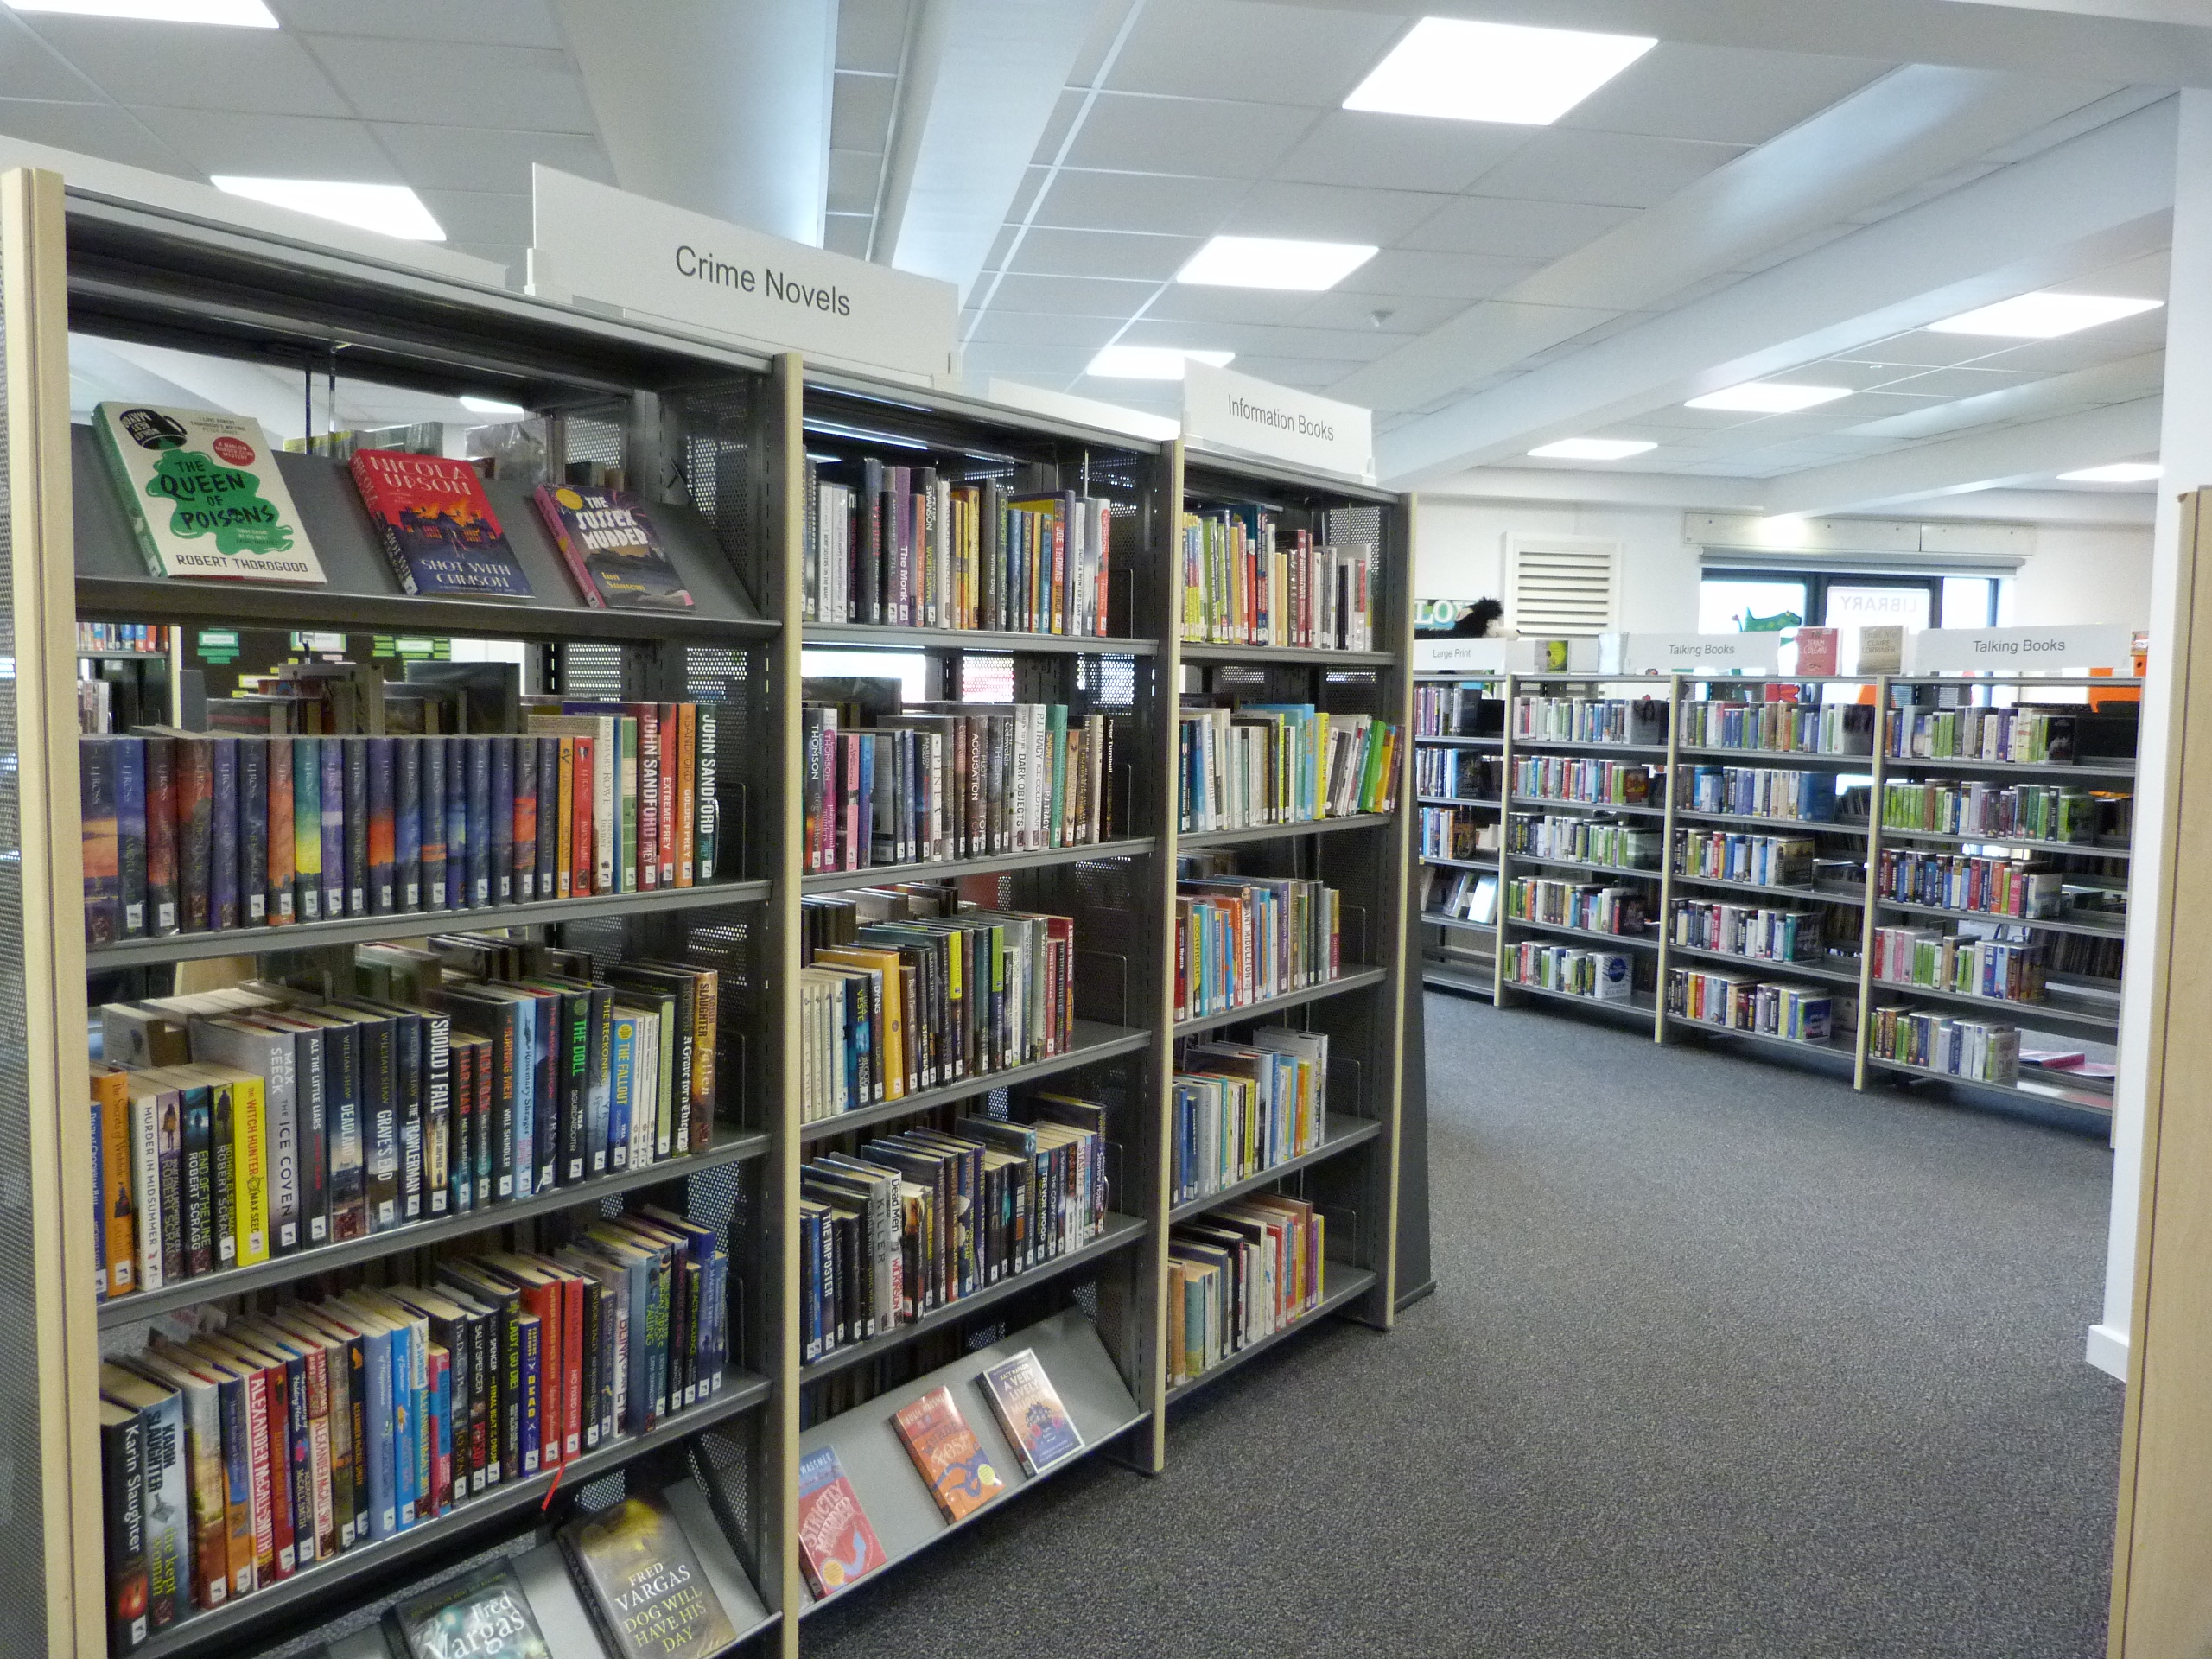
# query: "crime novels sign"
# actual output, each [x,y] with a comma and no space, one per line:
[593,241]
[1227,410]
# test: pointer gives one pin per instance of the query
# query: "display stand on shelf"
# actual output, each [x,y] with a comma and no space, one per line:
[1040,779]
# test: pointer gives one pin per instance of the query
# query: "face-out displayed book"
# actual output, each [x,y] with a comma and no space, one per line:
[204,495]
[946,1452]
[836,1545]
[437,526]
[1028,1407]
[484,1615]
[612,550]
[649,1596]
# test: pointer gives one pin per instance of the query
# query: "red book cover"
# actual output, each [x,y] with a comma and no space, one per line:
[836,1543]
[952,1462]
[582,854]
[281,832]
[437,526]
[671,739]
[1816,650]
[525,821]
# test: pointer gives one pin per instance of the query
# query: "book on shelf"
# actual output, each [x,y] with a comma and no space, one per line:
[1257,764]
[1466,895]
[1598,783]
[1592,906]
[2018,811]
[1980,1050]
[1602,976]
[437,526]
[1031,1412]
[607,539]
[204,494]
[1765,792]
[947,1455]
[1590,720]
[1242,940]
[484,1614]
[1457,711]
[645,1588]
[1817,653]
[1779,728]
[1242,1108]
[1246,581]
[1238,1274]
[124,1526]
[836,1546]
[1463,774]
[1739,855]
[1737,1002]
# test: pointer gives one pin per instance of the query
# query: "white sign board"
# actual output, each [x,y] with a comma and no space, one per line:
[599,243]
[1700,653]
[2021,651]
[1234,411]
[1459,656]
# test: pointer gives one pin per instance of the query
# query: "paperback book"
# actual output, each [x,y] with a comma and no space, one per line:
[1028,1407]
[946,1452]
[204,494]
[437,526]
[484,1615]
[649,1596]
[836,1545]
[612,550]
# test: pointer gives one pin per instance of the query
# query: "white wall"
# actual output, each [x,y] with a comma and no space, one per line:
[2085,573]
[1459,553]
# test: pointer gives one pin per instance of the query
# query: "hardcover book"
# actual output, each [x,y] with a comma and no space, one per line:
[836,1545]
[649,1595]
[484,1615]
[1030,1411]
[945,1449]
[437,526]
[204,494]
[612,550]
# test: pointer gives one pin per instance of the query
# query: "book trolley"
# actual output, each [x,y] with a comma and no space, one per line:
[1668,858]
[727,447]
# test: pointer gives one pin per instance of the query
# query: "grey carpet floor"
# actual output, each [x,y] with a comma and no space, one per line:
[1724,1363]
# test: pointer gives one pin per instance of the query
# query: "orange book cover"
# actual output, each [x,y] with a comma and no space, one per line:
[952,1461]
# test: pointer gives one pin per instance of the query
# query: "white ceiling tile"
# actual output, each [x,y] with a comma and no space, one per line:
[1034,180]
[1451,275]
[1313,373]
[1056,125]
[180,65]
[274,146]
[1051,363]
[1077,296]
[871,34]
[486,22]
[1186,135]
[1413,314]
[1949,383]
[1728,94]
[1164,204]
[854,175]
[2130,337]
[1559,164]
[1257,340]
[1402,152]
[1300,55]
[1515,227]
[480,215]
[2148,278]
[859,110]
[1330,213]
[526,89]
[101,129]
[1201,302]
[1921,349]
[1002,327]
[846,233]
[487,158]
[31,68]
[1052,251]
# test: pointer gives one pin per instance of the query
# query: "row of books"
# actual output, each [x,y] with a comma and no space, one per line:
[1586,840]
[292,1436]
[2022,735]
[926,993]
[1765,933]
[1468,895]
[945,781]
[1457,772]
[1603,975]
[2000,886]
[235,1125]
[94,639]
[918,1219]
[1242,1108]
[1457,711]
[1780,727]
[1456,832]
[1238,1274]
[2025,812]
[1735,1002]
[1240,940]
[1566,778]
[1939,1042]
[2005,970]
[1246,581]
[1587,905]
[1761,792]
[907,547]
[1590,720]
[1738,855]
[1281,762]
[190,832]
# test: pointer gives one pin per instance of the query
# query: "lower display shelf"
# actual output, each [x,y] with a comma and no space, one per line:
[1352,979]
[2081,1100]
[2041,924]
[1339,1133]
[1628,941]
[1447,976]
[899,1507]
[1640,1003]
[1844,1051]
[1543,861]
[1092,1041]
[1458,924]
[1768,967]
[1346,1284]
[368,1566]
[1190,838]
[1460,863]
[2029,1016]
[1118,1231]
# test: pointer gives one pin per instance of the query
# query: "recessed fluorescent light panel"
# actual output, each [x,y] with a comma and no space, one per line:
[1458,70]
[1150,362]
[1272,262]
[237,14]
[2125,471]
[492,406]
[393,209]
[2044,316]
[1592,449]
[1769,398]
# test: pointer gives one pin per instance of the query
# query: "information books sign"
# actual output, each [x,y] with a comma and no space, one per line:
[1700,653]
[1459,656]
[1234,411]
[595,242]
[2017,650]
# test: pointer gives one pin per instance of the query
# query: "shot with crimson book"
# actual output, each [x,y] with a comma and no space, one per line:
[437,525]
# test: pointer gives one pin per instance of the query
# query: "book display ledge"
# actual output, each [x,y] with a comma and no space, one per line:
[795,1358]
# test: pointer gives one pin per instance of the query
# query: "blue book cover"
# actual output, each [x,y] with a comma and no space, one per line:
[307,828]
[545,1131]
[548,814]
[407,824]
[866,747]
[457,823]
[253,831]
[383,828]
[432,828]
[623,1085]
[532,1336]
[500,819]
[334,828]
[356,752]
[223,865]
[525,1126]
[441,1419]
[1028,1409]
[383,1427]
[403,1423]
[479,835]
[237,1459]
[130,832]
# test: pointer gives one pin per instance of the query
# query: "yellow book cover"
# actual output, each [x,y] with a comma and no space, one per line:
[111,1092]
[687,792]
[249,1162]
[894,1050]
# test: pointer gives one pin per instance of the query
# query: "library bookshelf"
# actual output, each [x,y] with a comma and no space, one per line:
[729,446]
[1458,829]
[1634,862]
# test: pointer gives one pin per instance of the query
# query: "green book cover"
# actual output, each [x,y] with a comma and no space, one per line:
[482,1615]
[204,494]
[629,783]
[648,1594]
